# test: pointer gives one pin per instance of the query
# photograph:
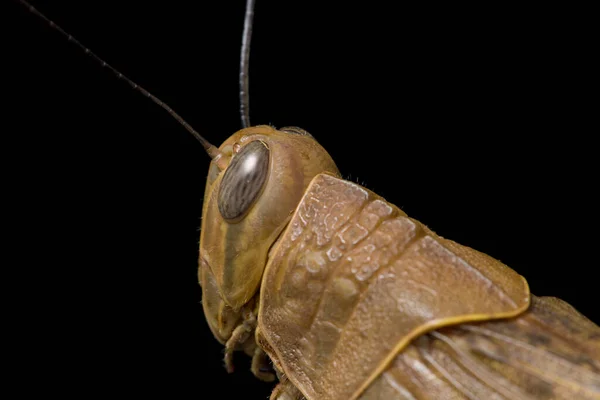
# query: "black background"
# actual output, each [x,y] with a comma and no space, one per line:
[474,121]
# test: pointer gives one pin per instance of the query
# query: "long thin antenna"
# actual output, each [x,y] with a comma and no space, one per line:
[244,61]
[212,151]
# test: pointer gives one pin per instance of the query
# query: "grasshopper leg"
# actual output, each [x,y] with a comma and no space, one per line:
[240,334]
[285,390]
[261,367]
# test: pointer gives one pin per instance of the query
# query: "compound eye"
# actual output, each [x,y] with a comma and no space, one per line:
[243,180]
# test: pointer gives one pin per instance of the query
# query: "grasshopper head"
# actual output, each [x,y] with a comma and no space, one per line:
[251,193]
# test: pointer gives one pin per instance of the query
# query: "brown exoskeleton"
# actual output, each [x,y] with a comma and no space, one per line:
[351,298]
[303,255]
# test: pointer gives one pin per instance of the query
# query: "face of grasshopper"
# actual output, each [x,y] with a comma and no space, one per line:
[246,206]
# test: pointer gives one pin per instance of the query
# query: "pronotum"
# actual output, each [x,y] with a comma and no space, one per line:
[382,160]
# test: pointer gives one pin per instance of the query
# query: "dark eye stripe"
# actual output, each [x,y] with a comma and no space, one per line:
[243,180]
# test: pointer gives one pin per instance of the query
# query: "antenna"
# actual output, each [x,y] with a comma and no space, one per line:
[244,62]
[212,151]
